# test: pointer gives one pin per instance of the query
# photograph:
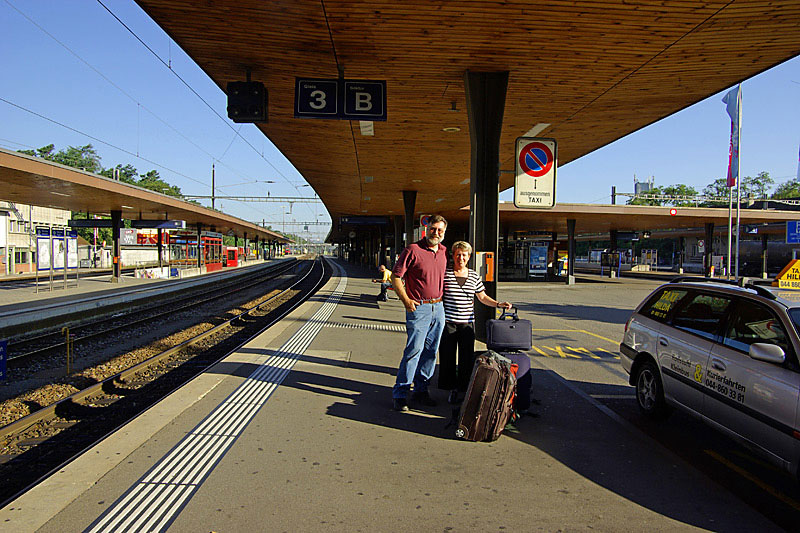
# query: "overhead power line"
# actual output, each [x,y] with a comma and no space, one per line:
[280,199]
[169,67]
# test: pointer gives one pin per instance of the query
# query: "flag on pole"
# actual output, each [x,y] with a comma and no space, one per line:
[798,165]
[733,102]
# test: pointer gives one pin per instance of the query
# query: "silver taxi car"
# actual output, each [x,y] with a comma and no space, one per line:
[724,353]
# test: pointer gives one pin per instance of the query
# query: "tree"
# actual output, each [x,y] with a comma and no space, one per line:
[152,181]
[788,189]
[127,173]
[83,157]
[679,190]
[758,186]
[647,201]
[718,188]
[45,152]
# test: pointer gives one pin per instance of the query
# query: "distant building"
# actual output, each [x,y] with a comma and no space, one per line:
[17,233]
[643,187]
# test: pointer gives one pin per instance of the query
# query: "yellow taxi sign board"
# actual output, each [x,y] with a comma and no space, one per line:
[789,277]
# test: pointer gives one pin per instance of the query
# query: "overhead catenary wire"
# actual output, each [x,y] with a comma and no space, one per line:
[140,106]
[123,150]
[121,90]
[169,67]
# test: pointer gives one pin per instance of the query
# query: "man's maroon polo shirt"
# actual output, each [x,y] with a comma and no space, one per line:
[422,269]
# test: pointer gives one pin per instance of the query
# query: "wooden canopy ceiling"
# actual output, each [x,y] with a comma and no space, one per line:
[34,181]
[594,70]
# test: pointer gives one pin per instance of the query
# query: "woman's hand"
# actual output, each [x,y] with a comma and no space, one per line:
[504,305]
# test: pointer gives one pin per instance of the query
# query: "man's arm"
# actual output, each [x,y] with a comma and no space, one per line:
[400,291]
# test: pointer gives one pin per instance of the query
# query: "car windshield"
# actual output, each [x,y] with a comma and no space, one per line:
[794,314]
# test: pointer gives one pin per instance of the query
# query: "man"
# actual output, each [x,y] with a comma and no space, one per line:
[421,266]
[385,282]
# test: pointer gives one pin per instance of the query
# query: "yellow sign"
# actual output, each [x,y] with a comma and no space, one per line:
[789,277]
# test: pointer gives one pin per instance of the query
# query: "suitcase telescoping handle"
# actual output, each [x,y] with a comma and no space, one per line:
[509,313]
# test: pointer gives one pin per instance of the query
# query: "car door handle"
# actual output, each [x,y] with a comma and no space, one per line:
[663,342]
[716,364]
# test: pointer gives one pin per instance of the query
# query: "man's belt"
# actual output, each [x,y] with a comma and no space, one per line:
[434,301]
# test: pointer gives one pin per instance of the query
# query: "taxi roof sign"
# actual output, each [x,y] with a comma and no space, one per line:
[789,277]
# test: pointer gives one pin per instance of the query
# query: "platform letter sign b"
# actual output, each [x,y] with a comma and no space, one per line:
[3,359]
[363,101]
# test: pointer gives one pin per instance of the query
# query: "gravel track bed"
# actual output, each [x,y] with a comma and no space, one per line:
[117,349]
[26,457]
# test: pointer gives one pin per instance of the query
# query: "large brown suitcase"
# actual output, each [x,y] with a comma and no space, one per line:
[487,406]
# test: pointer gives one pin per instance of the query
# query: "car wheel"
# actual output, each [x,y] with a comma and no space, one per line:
[650,391]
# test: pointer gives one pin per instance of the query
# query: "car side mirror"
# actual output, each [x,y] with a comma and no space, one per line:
[770,353]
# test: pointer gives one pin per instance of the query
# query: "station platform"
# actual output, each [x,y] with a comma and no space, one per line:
[294,432]
[19,291]
[22,306]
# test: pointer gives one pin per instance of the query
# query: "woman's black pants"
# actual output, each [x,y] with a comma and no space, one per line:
[452,374]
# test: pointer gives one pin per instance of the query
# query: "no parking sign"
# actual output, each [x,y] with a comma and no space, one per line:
[535,184]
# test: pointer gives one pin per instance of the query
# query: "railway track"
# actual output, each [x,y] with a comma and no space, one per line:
[35,445]
[21,349]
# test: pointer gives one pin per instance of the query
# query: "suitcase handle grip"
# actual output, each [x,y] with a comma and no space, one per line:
[510,313]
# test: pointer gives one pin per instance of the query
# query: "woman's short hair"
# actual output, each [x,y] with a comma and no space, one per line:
[461,245]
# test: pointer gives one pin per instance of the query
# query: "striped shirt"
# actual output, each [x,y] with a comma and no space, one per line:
[459,302]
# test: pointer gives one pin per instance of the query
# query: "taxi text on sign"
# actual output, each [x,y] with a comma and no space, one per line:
[789,277]
[535,182]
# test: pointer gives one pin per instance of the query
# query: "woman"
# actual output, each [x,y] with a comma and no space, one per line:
[461,286]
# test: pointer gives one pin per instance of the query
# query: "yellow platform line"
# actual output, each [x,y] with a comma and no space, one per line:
[579,331]
[615,355]
[583,351]
[560,352]
[540,351]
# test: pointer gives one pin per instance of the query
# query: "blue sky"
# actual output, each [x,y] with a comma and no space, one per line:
[110,87]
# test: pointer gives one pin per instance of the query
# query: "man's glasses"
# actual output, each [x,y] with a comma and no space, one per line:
[436,230]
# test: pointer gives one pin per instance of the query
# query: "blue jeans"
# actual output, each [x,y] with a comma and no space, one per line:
[424,329]
[384,287]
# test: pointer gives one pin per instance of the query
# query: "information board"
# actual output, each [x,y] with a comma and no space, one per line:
[43,249]
[792,232]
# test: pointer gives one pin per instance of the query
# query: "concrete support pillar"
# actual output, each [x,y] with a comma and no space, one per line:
[612,234]
[409,203]
[116,261]
[764,242]
[486,98]
[382,234]
[398,237]
[709,249]
[571,251]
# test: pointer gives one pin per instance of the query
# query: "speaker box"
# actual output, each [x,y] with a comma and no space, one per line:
[247,101]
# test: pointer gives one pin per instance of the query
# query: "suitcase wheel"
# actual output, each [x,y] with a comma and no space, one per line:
[460,433]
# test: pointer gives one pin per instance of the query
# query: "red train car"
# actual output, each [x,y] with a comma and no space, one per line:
[231,257]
